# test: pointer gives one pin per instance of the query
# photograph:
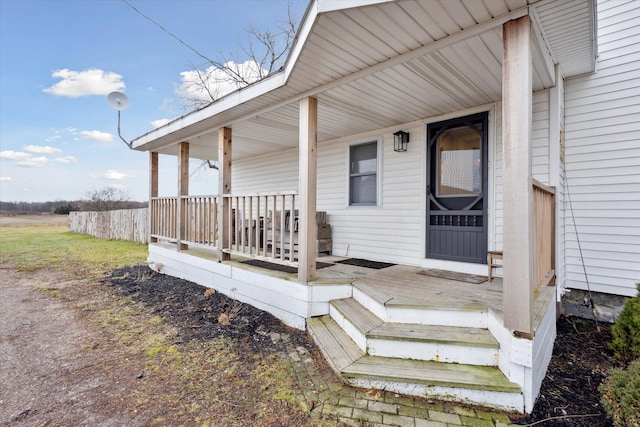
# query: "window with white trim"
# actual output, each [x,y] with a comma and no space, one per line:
[363,174]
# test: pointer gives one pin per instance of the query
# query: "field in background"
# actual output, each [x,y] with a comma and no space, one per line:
[14,220]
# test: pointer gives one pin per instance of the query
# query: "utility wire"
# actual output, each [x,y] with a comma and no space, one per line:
[589,302]
[168,32]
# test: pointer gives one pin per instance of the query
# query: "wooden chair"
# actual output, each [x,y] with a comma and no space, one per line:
[492,257]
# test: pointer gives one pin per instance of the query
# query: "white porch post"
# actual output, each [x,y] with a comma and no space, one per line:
[517,184]
[224,187]
[308,164]
[153,191]
[183,190]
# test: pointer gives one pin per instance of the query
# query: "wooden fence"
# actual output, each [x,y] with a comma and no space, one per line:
[126,224]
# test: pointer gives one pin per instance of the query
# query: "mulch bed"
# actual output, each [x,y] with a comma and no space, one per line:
[376,265]
[569,395]
[184,305]
[579,364]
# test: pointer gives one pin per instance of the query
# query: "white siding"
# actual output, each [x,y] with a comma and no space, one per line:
[393,231]
[539,156]
[603,158]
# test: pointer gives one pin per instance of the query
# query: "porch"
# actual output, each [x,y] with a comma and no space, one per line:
[295,151]
[393,328]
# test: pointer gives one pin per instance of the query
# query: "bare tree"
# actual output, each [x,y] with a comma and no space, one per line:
[105,199]
[264,54]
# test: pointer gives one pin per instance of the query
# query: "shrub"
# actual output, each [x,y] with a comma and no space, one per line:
[620,395]
[65,209]
[626,330]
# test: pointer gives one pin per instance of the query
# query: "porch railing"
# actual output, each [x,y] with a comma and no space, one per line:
[201,226]
[544,234]
[264,225]
[261,225]
[164,217]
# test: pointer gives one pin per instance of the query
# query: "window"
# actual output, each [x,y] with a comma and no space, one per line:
[459,172]
[363,174]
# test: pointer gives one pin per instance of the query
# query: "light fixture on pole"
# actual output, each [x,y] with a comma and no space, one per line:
[400,141]
[119,102]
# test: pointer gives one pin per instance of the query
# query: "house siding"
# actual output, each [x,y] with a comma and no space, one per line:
[394,230]
[603,159]
[539,157]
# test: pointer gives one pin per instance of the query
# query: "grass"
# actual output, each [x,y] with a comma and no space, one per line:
[212,382]
[55,248]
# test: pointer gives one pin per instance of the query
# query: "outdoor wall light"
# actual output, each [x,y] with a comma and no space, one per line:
[400,141]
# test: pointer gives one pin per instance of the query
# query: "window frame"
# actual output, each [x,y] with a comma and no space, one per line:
[351,175]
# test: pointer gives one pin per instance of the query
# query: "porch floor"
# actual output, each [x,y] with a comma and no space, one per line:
[399,285]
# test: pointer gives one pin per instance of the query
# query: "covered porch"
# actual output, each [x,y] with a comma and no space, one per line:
[283,149]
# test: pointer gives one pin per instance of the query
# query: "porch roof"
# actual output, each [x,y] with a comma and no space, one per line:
[377,64]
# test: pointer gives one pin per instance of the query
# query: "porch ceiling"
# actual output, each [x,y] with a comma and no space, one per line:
[383,65]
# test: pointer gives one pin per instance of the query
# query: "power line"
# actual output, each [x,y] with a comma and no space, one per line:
[169,32]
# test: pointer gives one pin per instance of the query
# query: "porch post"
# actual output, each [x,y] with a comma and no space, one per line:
[183,190]
[517,181]
[308,164]
[556,167]
[224,187]
[153,192]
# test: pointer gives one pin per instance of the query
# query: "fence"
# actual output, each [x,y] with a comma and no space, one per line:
[126,224]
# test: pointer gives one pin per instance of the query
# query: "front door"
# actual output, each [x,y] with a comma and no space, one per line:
[457,189]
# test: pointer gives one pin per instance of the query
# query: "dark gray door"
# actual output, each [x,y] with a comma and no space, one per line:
[457,189]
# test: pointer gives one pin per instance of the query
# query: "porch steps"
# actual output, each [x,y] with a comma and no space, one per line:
[473,346]
[337,348]
[481,385]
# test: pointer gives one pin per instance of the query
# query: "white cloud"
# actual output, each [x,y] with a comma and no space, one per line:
[33,162]
[5,178]
[214,82]
[14,155]
[65,159]
[40,149]
[96,135]
[53,138]
[83,83]
[160,122]
[117,186]
[111,174]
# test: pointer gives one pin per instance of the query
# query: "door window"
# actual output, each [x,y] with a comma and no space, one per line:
[459,157]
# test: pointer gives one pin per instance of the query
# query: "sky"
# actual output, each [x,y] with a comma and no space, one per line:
[60,58]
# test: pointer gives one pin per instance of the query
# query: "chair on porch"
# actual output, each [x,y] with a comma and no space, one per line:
[492,258]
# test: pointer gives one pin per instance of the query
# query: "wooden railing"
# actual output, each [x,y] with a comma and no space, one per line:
[164,217]
[264,225]
[543,234]
[201,227]
[261,225]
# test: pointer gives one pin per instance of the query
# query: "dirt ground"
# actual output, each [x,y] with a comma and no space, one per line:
[49,372]
[59,369]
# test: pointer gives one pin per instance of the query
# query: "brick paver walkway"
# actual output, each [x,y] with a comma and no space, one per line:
[326,398]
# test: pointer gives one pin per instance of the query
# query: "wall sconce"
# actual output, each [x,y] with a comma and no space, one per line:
[400,141]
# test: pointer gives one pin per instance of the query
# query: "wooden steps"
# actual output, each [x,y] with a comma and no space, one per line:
[414,341]
[336,346]
[446,362]
[450,375]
